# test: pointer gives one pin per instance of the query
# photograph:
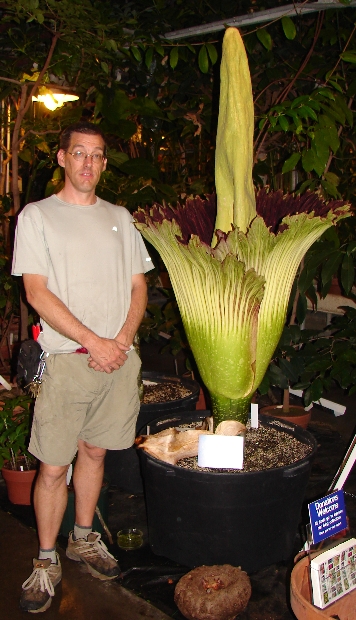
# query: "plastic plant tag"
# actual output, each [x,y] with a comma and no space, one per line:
[221,451]
[254,415]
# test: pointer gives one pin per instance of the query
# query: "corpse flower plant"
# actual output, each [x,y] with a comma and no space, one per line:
[233,285]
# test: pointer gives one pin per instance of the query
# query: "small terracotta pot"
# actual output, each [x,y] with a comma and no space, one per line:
[19,485]
[296,415]
[300,599]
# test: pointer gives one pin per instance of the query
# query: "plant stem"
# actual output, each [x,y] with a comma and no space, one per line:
[286,401]
[229,409]
[13,459]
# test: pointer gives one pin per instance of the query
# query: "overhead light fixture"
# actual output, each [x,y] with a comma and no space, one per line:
[54,98]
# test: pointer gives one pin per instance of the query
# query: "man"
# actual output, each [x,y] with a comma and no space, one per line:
[83,265]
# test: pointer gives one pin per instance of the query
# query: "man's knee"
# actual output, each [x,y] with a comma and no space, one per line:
[52,475]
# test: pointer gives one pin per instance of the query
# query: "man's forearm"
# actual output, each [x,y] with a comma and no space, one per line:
[136,311]
[105,354]
[52,310]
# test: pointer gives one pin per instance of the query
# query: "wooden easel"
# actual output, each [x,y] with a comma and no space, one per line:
[345,467]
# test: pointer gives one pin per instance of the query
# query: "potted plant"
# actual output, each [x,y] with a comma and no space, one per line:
[284,371]
[17,466]
[313,361]
[232,287]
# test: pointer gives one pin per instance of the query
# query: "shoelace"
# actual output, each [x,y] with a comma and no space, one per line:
[42,574]
[96,547]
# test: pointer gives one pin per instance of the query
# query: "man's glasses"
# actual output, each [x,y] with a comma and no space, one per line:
[96,158]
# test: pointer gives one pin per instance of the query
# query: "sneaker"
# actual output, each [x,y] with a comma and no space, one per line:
[38,589]
[93,552]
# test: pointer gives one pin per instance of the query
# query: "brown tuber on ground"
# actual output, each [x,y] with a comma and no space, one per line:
[213,593]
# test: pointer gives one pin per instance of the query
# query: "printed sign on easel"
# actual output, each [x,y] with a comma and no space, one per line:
[327,516]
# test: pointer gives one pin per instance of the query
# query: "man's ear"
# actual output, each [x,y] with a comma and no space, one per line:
[60,157]
[105,161]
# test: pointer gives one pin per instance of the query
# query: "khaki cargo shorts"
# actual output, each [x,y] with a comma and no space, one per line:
[77,402]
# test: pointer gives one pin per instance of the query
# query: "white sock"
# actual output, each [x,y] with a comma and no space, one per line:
[81,531]
[46,554]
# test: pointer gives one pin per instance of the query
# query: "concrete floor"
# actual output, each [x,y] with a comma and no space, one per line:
[78,597]
[81,596]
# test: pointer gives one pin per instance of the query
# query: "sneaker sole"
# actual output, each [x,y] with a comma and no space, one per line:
[46,605]
[38,611]
[90,569]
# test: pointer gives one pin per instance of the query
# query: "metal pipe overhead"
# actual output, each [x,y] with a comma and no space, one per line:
[259,17]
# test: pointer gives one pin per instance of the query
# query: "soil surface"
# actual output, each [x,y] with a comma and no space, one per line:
[164,392]
[265,448]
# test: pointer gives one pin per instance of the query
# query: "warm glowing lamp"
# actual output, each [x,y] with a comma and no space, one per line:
[53,99]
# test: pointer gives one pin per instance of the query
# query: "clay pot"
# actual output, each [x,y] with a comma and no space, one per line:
[297,414]
[300,599]
[19,485]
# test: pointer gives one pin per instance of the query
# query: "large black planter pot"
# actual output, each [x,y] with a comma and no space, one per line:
[122,466]
[152,411]
[244,519]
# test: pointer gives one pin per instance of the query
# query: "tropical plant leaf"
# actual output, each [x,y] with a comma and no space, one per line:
[149,57]
[116,158]
[277,377]
[213,54]
[265,38]
[308,160]
[311,294]
[348,57]
[203,59]
[140,167]
[174,57]
[347,273]
[283,123]
[301,308]
[314,392]
[289,370]
[136,53]
[291,162]
[307,112]
[288,28]
[330,266]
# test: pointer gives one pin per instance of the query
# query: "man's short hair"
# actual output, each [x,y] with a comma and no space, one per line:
[81,127]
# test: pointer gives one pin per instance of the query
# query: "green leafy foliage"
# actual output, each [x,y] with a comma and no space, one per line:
[203,59]
[289,28]
[15,417]
[265,38]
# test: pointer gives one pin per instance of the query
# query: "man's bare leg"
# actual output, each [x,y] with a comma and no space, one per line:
[87,479]
[50,501]
[89,549]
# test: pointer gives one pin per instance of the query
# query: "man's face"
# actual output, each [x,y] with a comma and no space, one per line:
[84,175]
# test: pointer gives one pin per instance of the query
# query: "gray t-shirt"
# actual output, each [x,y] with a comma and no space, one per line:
[89,255]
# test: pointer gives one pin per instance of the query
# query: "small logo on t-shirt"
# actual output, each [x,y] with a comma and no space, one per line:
[114,228]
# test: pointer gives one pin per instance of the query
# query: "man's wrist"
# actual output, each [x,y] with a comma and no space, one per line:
[124,342]
[89,339]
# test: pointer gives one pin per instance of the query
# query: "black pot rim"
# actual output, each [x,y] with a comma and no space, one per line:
[158,377]
[266,421]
